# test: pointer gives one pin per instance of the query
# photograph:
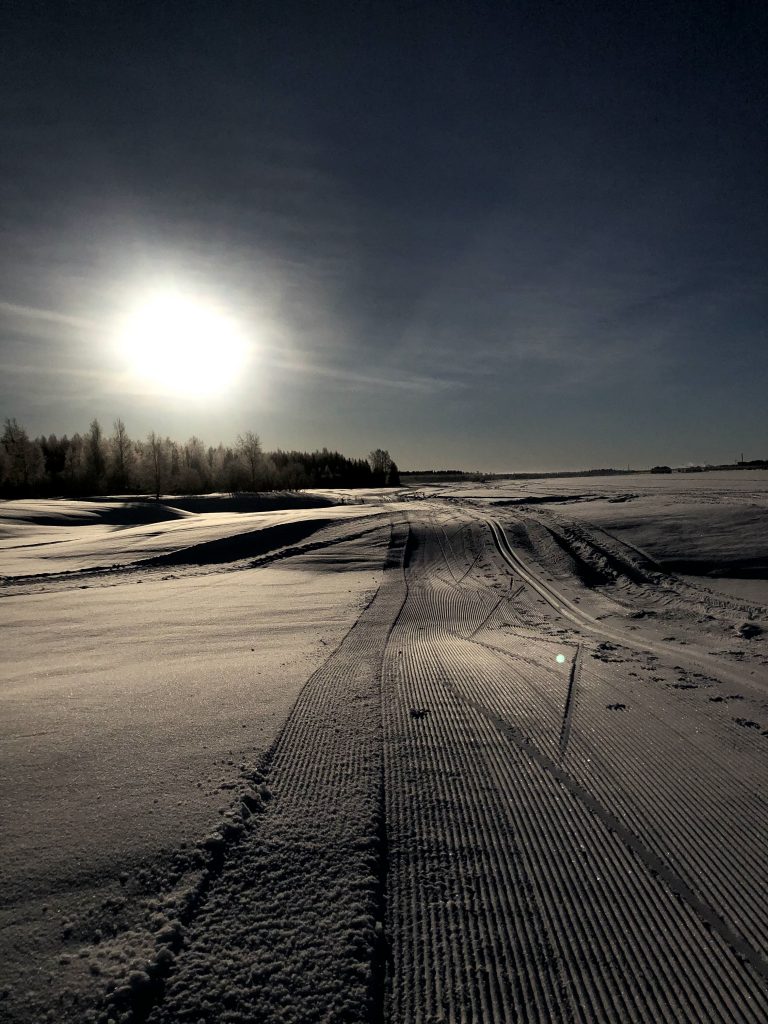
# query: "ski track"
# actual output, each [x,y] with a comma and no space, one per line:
[548,860]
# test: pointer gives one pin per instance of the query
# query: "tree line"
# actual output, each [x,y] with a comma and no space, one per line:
[95,463]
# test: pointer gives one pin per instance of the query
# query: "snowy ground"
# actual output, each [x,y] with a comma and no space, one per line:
[710,525]
[480,756]
[134,699]
[43,538]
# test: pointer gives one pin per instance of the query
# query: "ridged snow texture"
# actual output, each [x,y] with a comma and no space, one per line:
[534,851]
[532,879]
[291,931]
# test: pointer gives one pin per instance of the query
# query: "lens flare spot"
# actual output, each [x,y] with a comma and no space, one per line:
[560,659]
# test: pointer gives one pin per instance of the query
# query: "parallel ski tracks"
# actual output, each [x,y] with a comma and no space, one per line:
[689,816]
[515,894]
[568,610]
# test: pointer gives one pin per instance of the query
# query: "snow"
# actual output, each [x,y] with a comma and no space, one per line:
[129,711]
[170,724]
[50,537]
[709,525]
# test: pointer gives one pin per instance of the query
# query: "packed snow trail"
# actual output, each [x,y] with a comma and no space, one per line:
[618,883]
[464,828]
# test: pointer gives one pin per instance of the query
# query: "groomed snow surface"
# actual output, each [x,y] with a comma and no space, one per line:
[472,754]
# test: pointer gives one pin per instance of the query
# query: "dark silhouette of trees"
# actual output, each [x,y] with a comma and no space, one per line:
[74,466]
[54,451]
[95,459]
[91,464]
[383,468]
[380,462]
[22,463]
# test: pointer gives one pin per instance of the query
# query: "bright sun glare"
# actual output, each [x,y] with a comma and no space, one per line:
[183,347]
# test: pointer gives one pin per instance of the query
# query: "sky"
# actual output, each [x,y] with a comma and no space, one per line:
[499,236]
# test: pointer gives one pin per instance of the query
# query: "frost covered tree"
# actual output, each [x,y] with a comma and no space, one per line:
[88,463]
[194,474]
[249,450]
[156,463]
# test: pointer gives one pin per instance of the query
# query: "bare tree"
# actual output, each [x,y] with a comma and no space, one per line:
[157,462]
[122,454]
[380,462]
[249,449]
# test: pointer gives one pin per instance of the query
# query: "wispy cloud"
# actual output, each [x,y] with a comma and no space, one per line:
[24,369]
[423,384]
[49,316]
[575,325]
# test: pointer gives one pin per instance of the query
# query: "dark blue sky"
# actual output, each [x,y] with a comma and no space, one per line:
[505,236]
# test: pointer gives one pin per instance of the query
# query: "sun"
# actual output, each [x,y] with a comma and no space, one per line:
[183,347]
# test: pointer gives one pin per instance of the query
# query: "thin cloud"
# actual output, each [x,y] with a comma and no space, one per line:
[423,384]
[48,371]
[49,316]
